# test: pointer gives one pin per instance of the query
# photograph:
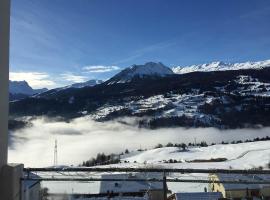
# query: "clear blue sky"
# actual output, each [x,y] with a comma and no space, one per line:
[57,42]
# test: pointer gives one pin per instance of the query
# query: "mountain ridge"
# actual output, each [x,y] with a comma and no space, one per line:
[21,89]
[221,99]
[220,66]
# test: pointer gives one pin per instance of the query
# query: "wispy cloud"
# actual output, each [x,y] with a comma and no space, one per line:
[100,69]
[148,49]
[73,78]
[35,79]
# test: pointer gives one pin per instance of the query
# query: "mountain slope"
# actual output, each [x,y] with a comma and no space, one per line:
[89,83]
[21,89]
[223,99]
[149,69]
[221,66]
[61,90]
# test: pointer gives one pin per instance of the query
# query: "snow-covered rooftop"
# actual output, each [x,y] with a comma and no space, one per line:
[129,186]
[243,177]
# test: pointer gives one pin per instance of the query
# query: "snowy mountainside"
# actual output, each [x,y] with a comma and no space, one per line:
[21,89]
[199,106]
[232,152]
[89,83]
[222,99]
[140,71]
[221,66]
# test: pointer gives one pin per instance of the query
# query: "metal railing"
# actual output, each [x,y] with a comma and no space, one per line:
[71,174]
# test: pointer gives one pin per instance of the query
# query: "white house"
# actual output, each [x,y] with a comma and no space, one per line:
[154,190]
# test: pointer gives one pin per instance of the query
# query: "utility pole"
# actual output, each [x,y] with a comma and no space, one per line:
[164,186]
[55,154]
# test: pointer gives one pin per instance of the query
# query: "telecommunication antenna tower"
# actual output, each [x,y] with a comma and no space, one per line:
[55,154]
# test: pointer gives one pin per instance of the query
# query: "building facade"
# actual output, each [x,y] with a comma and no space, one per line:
[240,190]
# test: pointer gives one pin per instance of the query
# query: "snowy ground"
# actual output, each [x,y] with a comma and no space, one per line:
[243,155]
[240,156]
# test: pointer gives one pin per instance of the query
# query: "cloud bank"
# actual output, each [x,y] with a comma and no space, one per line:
[83,138]
[35,79]
[73,78]
[100,69]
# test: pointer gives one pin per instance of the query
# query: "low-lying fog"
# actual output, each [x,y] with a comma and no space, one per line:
[83,138]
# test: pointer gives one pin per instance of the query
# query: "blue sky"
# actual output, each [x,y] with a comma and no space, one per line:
[59,42]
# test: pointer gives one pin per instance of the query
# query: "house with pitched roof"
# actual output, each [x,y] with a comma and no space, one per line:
[240,190]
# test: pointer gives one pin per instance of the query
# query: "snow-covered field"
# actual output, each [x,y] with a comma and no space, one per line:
[240,156]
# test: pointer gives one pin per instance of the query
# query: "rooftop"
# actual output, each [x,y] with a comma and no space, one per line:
[129,186]
[243,177]
[198,196]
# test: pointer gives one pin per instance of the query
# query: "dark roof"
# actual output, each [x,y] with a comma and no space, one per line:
[243,177]
[198,196]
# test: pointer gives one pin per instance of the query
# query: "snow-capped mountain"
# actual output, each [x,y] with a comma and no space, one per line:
[55,91]
[89,83]
[220,66]
[22,87]
[139,71]
[223,98]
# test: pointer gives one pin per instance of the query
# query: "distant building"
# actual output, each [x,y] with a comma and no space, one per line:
[153,190]
[196,196]
[239,191]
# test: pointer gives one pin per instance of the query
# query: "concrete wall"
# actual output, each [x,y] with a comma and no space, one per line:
[4,77]
[10,185]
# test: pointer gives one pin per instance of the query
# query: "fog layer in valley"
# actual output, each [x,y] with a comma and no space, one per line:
[83,138]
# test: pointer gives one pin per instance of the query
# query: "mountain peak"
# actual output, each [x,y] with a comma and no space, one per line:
[89,83]
[146,70]
[22,87]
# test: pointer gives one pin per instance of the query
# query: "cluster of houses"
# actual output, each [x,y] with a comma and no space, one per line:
[131,187]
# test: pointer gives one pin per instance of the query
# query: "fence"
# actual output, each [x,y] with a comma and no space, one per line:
[79,174]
